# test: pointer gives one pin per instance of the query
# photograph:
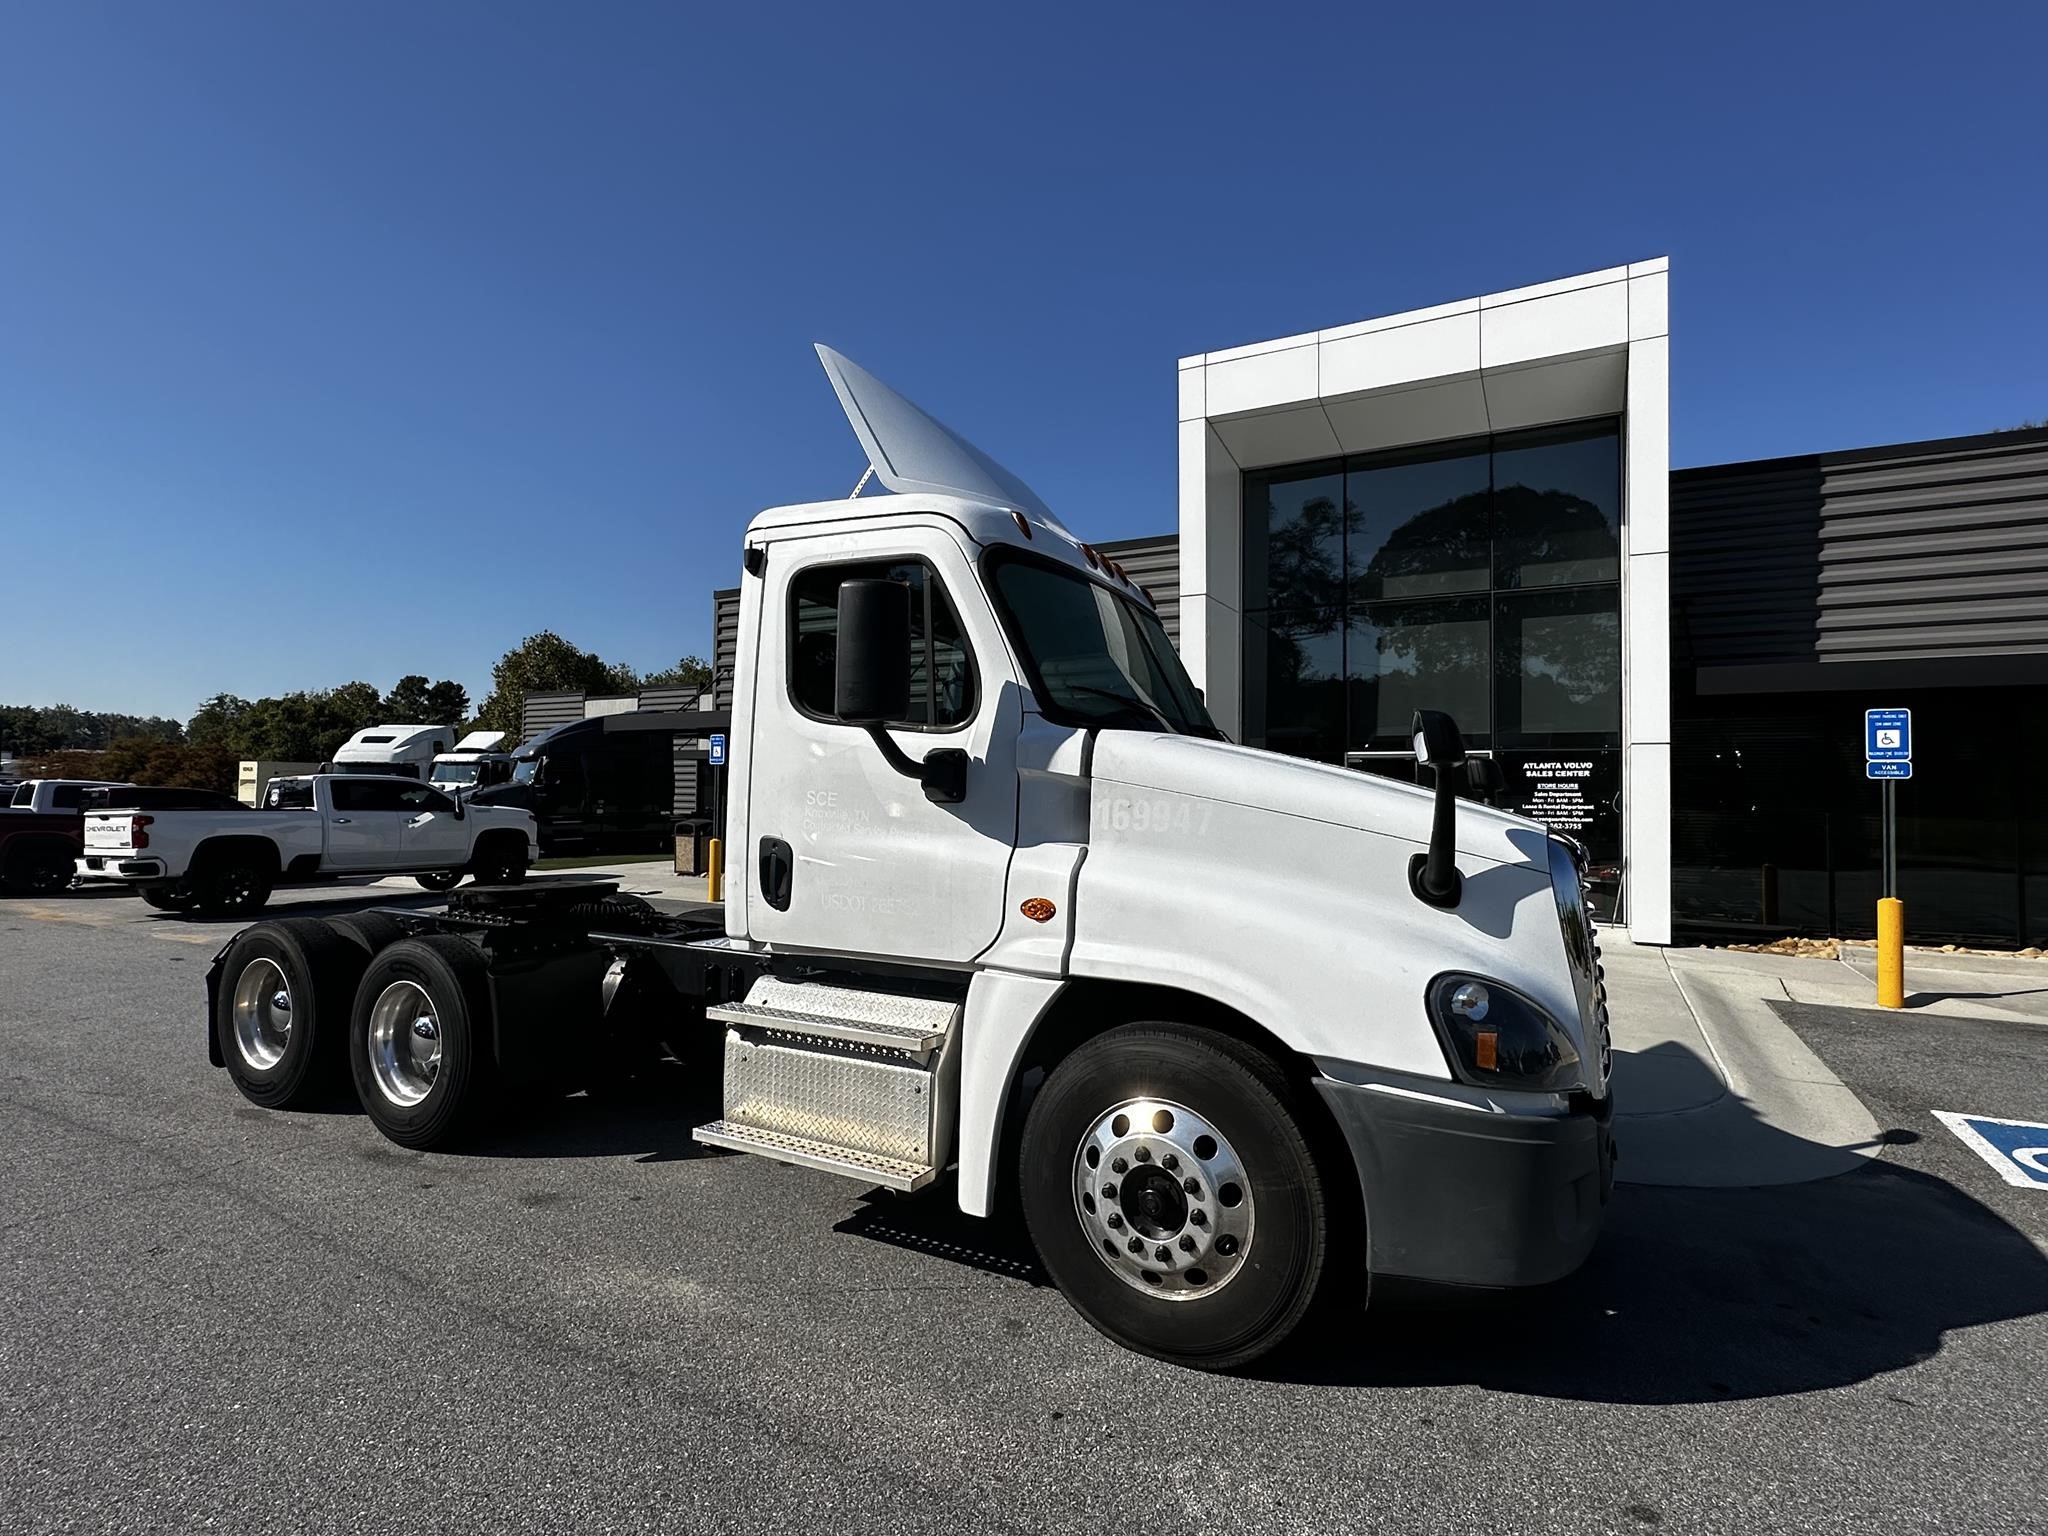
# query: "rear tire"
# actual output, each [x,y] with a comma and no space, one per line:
[1218,1188]
[286,989]
[232,884]
[369,932]
[418,1040]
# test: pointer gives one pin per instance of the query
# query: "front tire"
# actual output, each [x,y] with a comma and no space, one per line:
[418,1041]
[500,861]
[439,879]
[1173,1196]
[285,993]
[167,898]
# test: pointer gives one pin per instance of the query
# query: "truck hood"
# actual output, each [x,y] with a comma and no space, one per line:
[1291,786]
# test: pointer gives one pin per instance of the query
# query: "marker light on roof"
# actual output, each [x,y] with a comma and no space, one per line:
[1023,524]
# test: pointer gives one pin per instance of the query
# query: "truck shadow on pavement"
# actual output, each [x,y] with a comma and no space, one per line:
[1697,1295]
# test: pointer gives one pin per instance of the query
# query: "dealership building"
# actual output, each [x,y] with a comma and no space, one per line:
[1471,508]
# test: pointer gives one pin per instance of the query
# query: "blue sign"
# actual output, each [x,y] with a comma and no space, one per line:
[2017,1150]
[1888,735]
[1885,770]
[718,749]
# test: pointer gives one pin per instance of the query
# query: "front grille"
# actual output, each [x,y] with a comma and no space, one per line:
[1582,951]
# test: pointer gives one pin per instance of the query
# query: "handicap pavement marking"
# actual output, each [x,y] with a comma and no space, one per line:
[2017,1150]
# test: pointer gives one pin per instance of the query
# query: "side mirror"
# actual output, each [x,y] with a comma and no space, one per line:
[1433,875]
[871,669]
[1437,741]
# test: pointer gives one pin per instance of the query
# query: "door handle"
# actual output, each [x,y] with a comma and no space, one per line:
[342,821]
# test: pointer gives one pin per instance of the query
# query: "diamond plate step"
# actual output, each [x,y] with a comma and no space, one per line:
[890,1172]
[887,1019]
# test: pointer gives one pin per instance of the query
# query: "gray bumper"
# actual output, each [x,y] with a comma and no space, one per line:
[1461,1196]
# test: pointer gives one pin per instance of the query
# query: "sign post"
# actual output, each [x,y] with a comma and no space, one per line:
[714,851]
[1888,758]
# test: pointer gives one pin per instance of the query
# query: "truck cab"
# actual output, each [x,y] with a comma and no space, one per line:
[407,750]
[1232,1028]
[476,763]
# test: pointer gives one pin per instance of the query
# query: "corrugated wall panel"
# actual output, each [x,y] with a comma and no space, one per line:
[1153,563]
[725,643]
[1913,552]
[544,711]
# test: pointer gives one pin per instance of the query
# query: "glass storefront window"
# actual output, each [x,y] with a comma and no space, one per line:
[1295,666]
[1557,508]
[1294,539]
[1420,525]
[1401,657]
[1557,661]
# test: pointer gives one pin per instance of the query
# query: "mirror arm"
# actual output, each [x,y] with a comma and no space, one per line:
[943,774]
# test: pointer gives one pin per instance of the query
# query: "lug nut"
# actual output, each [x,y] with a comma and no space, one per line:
[1163,1254]
[1187,1244]
[1116,1222]
[1199,1218]
[1118,1165]
[1192,1185]
[1169,1162]
[1143,1154]
[1109,1191]
[1136,1245]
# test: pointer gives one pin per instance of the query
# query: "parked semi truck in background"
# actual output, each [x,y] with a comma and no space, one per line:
[1233,1028]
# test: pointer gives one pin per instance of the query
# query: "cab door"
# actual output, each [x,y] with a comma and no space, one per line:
[846,855]
[366,829]
[434,834]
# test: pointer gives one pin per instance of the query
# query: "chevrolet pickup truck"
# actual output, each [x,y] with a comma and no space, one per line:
[226,862]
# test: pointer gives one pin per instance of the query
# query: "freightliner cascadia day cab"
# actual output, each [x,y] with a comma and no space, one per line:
[1228,1028]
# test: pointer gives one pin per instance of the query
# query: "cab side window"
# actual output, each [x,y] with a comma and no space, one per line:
[942,688]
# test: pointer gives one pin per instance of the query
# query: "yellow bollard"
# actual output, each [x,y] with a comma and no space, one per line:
[1891,953]
[714,870]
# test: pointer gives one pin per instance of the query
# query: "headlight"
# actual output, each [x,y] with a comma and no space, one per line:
[1497,1038]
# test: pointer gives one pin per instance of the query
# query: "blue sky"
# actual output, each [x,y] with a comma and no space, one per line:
[347,341]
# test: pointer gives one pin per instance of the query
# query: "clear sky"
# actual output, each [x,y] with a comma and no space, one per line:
[344,341]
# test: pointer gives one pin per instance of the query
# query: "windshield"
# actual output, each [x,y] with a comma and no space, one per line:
[455,773]
[382,770]
[1094,656]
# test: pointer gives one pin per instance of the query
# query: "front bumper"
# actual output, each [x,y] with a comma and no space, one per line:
[120,866]
[1461,1195]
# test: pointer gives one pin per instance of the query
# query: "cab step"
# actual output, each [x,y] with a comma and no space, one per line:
[888,1020]
[889,1172]
[851,1080]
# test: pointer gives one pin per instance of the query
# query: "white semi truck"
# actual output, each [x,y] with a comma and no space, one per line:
[1230,1028]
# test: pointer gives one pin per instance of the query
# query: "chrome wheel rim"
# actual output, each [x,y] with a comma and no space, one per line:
[405,1043]
[1164,1199]
[263,1013]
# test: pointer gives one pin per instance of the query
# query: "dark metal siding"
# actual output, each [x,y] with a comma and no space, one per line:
[544,711]
[1917,553]
[725,642]
[1154,564]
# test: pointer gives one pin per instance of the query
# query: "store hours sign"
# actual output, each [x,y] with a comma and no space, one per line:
[1577,793]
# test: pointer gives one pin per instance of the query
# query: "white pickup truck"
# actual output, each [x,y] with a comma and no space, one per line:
[226,862]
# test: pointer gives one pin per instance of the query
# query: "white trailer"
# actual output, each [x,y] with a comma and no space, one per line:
[1232,1027]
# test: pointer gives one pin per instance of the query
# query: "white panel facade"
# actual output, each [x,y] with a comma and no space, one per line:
[1592,345]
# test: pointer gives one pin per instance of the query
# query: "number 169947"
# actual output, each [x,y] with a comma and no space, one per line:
[1121,813]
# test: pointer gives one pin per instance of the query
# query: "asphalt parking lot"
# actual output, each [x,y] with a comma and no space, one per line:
[218,1317]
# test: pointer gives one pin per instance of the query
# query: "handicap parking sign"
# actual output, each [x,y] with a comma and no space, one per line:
[2017,1150]
[718,749]
[1888,734]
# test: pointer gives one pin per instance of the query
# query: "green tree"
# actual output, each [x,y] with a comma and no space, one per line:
[690,672]
[219,722]
[415,701]
[546,663]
